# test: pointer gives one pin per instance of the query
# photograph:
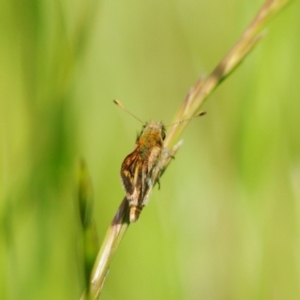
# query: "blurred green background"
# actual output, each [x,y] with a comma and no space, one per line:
[225,223]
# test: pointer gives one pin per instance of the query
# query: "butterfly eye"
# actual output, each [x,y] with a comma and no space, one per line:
[163,135]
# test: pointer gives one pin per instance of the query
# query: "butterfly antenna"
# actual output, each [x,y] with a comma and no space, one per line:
[117,102]
[201,113]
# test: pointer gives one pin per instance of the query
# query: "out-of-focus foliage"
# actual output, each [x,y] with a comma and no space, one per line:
[224,224]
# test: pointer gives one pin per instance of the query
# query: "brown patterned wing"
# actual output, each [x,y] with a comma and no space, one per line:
[131,174]
[152,172]
[139,176]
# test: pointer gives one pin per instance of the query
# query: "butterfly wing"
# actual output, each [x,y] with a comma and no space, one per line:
[152,173]
[131,174]
[139,175]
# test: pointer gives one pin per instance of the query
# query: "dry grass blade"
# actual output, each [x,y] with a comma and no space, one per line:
[190,106]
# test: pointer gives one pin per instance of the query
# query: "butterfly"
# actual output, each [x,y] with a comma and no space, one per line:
[142,168]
